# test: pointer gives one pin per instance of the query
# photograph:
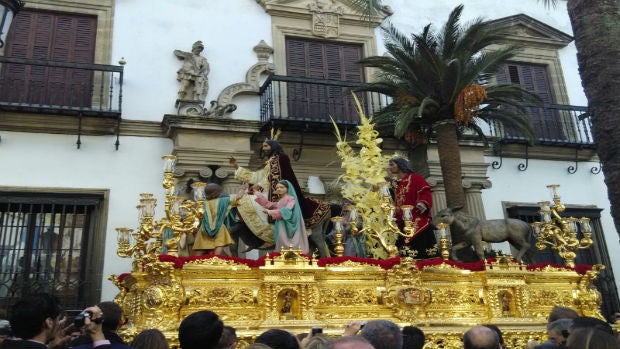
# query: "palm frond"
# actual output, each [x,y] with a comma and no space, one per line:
[481,135]
[451,32]
[552,3]
[426,104]
[367,8]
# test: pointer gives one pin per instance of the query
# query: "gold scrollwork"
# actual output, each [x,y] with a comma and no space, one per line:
[347,296]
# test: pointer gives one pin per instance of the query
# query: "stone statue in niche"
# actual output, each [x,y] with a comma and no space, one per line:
[287,303]
[506,300]
[193,74]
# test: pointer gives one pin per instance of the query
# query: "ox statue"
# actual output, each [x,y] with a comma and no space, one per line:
[474,231]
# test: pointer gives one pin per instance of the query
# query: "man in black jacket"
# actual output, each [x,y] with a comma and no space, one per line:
[36,324]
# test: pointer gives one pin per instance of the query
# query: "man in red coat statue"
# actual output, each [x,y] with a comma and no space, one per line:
[412,189]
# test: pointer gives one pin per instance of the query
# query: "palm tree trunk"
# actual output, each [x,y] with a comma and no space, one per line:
[597,36]
[450,161]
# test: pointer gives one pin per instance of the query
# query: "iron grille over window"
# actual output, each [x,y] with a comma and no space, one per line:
[44,245]
[596,254]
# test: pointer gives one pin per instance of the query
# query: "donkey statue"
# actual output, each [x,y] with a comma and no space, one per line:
[475,231]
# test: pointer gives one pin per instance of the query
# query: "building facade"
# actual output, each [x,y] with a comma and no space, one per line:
[90,100]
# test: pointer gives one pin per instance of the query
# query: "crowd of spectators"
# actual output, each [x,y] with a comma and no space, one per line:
[37,322]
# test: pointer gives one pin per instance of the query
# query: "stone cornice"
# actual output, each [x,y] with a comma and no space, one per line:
[64,124]
[57,124]
[141,128]
[172,123]
[523,28]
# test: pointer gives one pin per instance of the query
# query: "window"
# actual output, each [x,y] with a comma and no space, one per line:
[596,254]
[46,246]
[49,36]
[321,60]
[533,78]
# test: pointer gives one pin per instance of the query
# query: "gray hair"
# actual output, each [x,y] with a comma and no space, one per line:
[560,325]
[383,334]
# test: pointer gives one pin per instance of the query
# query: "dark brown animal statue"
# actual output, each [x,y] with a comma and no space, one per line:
[475,231]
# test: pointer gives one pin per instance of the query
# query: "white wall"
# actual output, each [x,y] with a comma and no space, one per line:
[146,32]
[52,161]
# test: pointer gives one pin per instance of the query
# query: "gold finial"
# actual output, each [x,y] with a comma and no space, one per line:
[275,133]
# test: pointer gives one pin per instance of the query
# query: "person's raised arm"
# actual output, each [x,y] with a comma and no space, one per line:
[93,327]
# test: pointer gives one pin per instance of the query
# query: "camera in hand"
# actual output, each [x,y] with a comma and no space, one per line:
[80,318]
[316,330]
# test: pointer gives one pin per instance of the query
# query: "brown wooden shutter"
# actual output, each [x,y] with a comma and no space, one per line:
[322,60]
[534,78]
[49,36]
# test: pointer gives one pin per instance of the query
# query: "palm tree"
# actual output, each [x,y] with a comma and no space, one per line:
[436,80]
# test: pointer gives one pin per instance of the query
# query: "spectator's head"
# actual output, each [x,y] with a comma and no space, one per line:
[383,334]
[561,313]
[590,338]
[413,338]
[591,322]
[112,316]
[150,339]
[349,342]
[557,331]
[278,339]
[317,341]
[228,340]
[35,316]
[200,330]
[480,337]
[498,332]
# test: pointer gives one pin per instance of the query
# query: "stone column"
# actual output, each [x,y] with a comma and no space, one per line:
[473,196]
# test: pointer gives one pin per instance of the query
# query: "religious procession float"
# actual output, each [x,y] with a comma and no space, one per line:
[294,291]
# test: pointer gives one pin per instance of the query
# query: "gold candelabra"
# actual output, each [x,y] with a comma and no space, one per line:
[444,244]
[339,229]
[560,233]
[389,227]
[182,217]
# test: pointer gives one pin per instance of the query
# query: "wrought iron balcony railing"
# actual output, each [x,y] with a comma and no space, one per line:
[42,86]
[295,99]
[554,124]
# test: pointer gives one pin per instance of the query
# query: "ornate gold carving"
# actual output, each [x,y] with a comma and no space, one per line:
[352,265]
[347,296]
[221,296]
[215,262]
